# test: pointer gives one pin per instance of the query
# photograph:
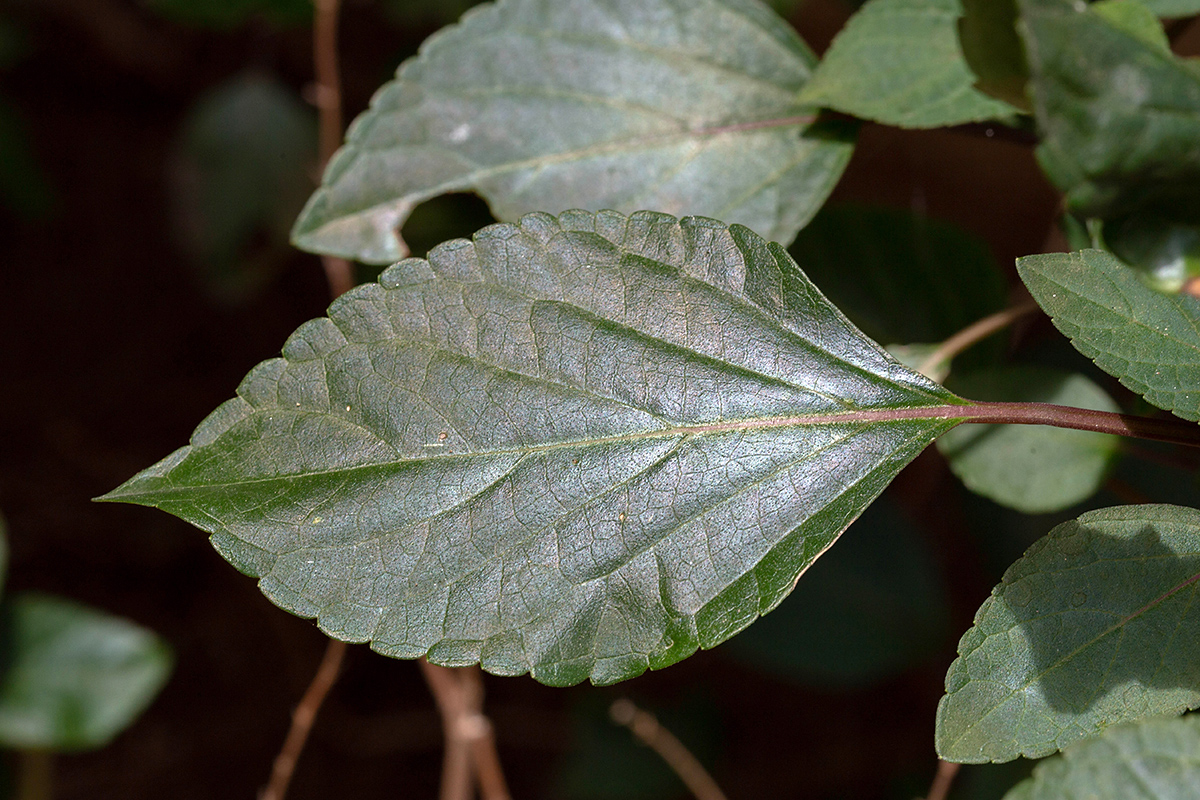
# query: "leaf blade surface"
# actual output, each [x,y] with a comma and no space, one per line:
[581,447]
[536,105]
[1095,625]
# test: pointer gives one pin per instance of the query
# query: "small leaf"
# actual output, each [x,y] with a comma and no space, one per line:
[1148,340]
[871,608]
[581,447]
[73,677]
[901,278]
[1119,113]
[1032,468]
[239,179]
[899,62]
[686,108]
[1095,625]
[1158,759]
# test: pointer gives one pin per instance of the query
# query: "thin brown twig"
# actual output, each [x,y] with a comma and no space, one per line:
[470,742]
[976,332]
[942,780]
[338,271]
[302,721]
[647,728]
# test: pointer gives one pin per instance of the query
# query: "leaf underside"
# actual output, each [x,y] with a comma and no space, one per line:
[1097,624]
[686,108]
[578,446]
[1148,340]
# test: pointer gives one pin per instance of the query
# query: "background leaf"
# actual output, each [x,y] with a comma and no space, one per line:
[1148,340]
[73,677]
[993,50]
[1032,468]
[899,277]
[1155,760]
[1095,625]
[1118,112]
[580,447]
[872,607]
[1173,8]
[686,108]
[240,176]
[899,62]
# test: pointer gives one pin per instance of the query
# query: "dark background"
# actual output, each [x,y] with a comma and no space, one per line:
[112,350]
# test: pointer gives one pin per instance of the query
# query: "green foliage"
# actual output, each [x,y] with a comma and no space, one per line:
[1148,340]
[1095,625]
[899,62]
[73,677]
[1033,469]
[552,450]
[239,179]
[549,105]
[1158,760]
[1173,8]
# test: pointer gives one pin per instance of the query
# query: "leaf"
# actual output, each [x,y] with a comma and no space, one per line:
[871,608]
[1095,625]
[899,62]
[992,48]
[1148,340]
[1119,115]
[1032,468]
[1134,18]
[580,447]
[1173,8]
[1158,759]
[74,677]
[901,278]
[239,179]
[686,108]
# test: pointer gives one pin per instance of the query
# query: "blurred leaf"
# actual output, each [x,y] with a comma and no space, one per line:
[899,62]
[1134,18]
[901,278]
[1119,115]
[23,186]
[606,762]
[241,174]
[73,677]
[1032,468]
[1095,625]
[580,447]
[988,36]
[1148,340]
[870,608]
[231,13]
[1157,759]
[686,108]
[1173,8]
[1166,252]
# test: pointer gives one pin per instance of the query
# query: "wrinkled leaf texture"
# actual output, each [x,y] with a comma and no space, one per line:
[1148,340]
[1094,626]
[578,447]
[548,105]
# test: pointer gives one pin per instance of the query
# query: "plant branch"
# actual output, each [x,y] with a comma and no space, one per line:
[647,728]
[470,742]
[942,780]
[302,721]
[976,332]
[338,272]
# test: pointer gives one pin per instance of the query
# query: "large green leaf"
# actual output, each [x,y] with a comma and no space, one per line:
[581,447]
[686,108]
[1035,469]
[1118,112]
[73,677]
[899,62]
[1095,625]
[1150,341]
[1173,8]
[1155,760]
